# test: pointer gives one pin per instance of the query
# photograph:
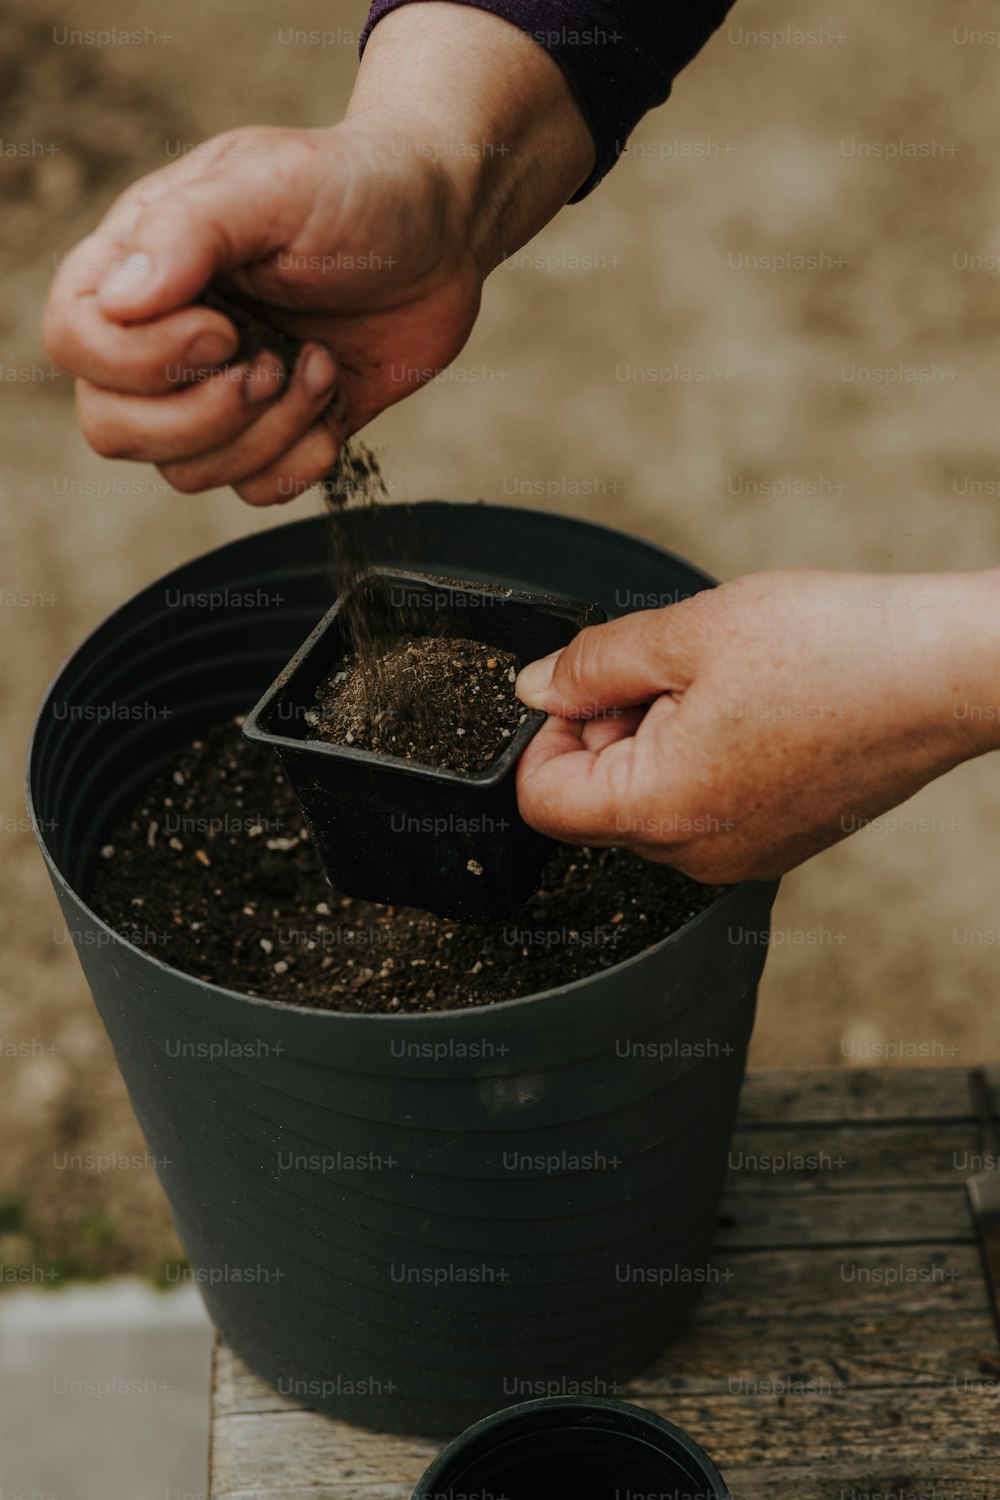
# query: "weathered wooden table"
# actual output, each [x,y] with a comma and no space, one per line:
[845,1351]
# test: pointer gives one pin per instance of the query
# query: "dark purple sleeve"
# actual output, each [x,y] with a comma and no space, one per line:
[620,57]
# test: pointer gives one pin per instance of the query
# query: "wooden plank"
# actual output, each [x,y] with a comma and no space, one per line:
[854,1220]
[796,1357]
[893,1428]
[810,1284]
[288,1455]
[285,1455]
[838,1158]
[877,1095]
[940,1479]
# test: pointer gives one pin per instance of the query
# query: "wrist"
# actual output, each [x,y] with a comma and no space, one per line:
[975,695]
[480,100]
[958,637]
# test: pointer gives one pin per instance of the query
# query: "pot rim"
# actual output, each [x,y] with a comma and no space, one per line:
[639,1415]
[282,1006]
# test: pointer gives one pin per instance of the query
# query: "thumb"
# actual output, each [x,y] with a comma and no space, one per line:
[591,796]
[184,237]
[618,665]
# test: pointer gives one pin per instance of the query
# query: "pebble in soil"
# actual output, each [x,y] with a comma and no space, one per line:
[213,871]
[448,703]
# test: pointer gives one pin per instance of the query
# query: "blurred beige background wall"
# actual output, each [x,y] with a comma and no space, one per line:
[769,338]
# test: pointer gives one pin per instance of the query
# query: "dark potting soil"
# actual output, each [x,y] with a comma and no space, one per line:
[443,702]
[214,873]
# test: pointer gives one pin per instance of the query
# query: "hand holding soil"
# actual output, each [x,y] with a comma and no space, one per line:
[738,733]
[370,241]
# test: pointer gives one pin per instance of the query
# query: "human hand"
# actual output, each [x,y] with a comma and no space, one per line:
[738,733]
[345,245]
[369,241]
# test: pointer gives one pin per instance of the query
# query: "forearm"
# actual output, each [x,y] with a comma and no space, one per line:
[479,96]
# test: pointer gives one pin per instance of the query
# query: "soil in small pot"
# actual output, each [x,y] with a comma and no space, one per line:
[447,703]
[214,873]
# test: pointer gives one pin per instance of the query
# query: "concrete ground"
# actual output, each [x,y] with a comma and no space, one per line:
[104,1394]
[679,356]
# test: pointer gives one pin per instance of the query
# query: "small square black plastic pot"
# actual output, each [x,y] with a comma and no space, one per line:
[392,830]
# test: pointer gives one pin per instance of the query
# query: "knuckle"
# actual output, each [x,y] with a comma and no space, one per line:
[248,146]
[309,460]
[106,437]
[229,141]
[713,867]
[323,456]
[572,668]
[701,865]
[290,487]
[258,492]
[183,477]
[56,333]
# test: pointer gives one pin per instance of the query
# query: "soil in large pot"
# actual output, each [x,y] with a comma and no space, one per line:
[214,872]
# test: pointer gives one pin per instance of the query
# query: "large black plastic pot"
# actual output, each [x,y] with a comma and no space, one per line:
[406,1220]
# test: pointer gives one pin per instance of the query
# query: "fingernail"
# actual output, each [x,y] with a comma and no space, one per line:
[209,350]
[318,371]
[264,380]
[535,679]
[128,279]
